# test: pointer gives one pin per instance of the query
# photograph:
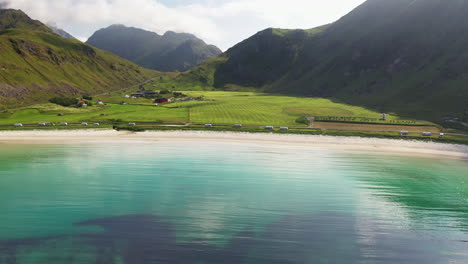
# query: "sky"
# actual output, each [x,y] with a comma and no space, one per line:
[223,23]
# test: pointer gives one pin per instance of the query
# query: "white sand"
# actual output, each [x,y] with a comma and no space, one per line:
[403,147]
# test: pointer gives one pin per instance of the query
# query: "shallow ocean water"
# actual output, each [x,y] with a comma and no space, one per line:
[139,202]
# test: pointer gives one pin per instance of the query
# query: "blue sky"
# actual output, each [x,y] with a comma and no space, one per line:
[220,22]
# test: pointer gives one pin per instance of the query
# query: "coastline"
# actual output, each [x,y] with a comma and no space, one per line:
[353,144]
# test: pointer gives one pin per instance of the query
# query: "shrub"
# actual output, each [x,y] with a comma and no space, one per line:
[86,97]
[178,94]
[303,120]
[165,91]
[64,101]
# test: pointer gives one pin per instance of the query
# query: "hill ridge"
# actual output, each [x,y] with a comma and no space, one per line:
[152,50]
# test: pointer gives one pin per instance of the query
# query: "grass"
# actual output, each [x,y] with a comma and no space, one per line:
[370,134]
[264,109]
[247,108]
[35,66]
[253,110]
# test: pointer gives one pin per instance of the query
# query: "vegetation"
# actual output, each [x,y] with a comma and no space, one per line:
[13,19]
[64,101]
[36,65]
[165,91]
[246,108]
[224,110]
[382,56]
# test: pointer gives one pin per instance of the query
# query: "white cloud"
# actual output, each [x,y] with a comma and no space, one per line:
[223,24]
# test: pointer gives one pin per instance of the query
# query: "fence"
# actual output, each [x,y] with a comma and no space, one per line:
[364,120]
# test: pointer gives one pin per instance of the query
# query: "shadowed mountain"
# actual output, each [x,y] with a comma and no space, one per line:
[36,64]
[169,52]
[61,32]
[405,56]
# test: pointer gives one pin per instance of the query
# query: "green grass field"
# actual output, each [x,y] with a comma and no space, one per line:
[246,108]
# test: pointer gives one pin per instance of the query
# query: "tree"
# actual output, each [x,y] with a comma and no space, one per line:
[64,101]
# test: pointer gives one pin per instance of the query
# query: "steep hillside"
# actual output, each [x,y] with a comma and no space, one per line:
[405,56]
[36,65]
[409,56]
[12,19]
[255,62]
[169,52]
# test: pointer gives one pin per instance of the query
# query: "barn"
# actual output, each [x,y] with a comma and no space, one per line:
[162,100]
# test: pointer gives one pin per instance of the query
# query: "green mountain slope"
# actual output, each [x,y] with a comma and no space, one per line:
[13,19]
[169,52]
[405,56]
[36,65]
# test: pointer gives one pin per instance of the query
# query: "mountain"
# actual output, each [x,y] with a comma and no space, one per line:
[16,19]
[36,64]
[169,52]
[404,56]
[61,32]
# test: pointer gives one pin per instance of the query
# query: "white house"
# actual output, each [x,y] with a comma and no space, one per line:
[19,125]
[269,127]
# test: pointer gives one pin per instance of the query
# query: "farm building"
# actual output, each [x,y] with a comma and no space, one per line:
[145,94]
[384,117]
[84,124]
[64,124]
[45,124]
[19,125]
[269,127]
[284,128]
[238,126]
[404,133]
[131,124]
[162,100]
[208,125]
[96,124]
[99,102]
[427,134]
[82,103]
[123,103]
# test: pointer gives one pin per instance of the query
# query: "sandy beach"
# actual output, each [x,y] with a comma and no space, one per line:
[375,145]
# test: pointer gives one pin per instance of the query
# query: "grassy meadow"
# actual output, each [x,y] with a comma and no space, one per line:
[245,108]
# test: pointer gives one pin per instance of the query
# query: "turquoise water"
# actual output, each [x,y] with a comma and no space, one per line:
[209,202]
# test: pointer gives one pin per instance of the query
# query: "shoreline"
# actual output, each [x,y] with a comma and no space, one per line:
[353,144]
